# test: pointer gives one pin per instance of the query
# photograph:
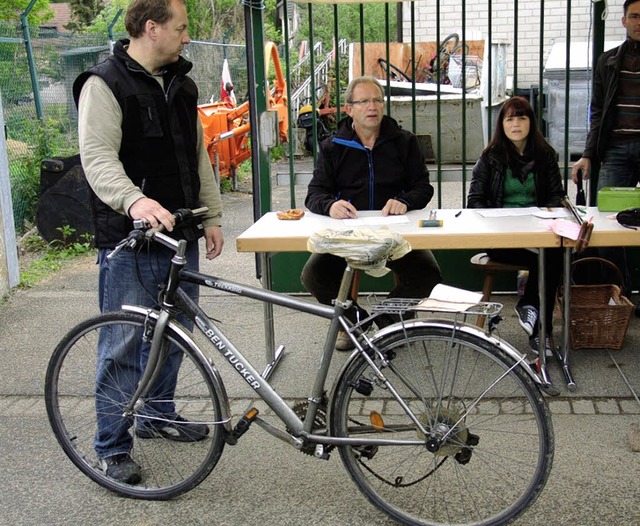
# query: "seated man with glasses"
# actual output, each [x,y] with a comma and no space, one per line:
[370,163]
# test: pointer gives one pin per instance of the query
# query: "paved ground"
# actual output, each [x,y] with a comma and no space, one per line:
[595,479]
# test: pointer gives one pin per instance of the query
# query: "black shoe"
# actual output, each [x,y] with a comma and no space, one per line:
[121,468]
[528,318]
[385,319]
[178,429]
[534,343]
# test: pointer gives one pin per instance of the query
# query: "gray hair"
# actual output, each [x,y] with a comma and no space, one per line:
[366,79]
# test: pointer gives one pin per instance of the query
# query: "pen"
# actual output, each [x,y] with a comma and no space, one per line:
[349,211]
[458,214]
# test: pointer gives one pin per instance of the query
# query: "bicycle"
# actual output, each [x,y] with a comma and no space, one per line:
[435,420]
[437,70]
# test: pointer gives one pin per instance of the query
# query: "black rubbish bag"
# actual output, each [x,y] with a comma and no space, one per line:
[629,217]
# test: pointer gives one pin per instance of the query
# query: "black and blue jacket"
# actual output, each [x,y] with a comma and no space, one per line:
[393,169]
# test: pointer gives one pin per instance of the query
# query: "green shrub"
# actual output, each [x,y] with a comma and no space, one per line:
[51,256]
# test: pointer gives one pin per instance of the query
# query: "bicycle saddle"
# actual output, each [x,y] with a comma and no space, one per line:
[362,248]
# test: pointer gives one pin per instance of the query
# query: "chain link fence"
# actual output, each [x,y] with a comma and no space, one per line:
[42,122]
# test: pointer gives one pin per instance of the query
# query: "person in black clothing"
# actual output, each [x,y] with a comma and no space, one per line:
[520,169]
[143,154]
[613,141]
[370,164]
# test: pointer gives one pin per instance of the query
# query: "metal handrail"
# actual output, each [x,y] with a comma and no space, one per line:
[321,75]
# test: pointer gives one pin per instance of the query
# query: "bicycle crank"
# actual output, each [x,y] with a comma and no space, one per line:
[319,425]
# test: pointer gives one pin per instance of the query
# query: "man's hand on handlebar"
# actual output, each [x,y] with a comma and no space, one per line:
[152,212]
[143,227]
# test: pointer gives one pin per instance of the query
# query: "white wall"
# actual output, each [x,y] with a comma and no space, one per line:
[477,16]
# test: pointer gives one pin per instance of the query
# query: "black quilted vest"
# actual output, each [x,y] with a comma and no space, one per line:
[159,138]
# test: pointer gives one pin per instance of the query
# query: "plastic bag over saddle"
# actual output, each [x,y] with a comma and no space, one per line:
[363,248]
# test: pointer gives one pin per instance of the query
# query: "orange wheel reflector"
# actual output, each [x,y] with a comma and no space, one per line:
[376,420]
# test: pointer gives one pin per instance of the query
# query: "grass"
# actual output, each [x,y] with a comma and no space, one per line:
[42,259]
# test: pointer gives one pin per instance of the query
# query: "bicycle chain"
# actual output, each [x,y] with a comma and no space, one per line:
[398,482]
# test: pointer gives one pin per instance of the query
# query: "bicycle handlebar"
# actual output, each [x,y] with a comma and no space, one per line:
[142,228]
[180,215]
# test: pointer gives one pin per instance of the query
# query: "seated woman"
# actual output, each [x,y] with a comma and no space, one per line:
[520,169]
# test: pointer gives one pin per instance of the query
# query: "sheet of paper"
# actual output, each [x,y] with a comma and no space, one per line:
[507,212]
[565,228]
[542,213]
[445,298]
[375,220]
[552,214]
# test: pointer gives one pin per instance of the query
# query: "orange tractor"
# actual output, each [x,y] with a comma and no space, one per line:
[226,126]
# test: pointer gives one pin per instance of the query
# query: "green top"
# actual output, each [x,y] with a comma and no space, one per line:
[517,193]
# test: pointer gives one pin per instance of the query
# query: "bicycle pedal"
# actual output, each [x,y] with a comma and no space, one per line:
[241,427]
[321,452]
[367,452]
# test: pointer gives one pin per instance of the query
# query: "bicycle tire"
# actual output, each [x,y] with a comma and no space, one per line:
[453,37]
[498,456]
[169,468]
[394,71]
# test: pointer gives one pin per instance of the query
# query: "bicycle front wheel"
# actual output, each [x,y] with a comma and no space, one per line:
[480,448]
[73,395]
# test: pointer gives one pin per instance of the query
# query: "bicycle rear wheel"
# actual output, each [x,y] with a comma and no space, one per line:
[488,446]
[168,467]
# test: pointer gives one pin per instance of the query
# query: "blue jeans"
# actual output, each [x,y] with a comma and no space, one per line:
[133,279]
[620,167]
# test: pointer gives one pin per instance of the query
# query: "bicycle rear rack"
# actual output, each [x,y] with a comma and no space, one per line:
[400,306]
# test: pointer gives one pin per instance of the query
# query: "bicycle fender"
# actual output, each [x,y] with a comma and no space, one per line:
[461,327]
[188,342]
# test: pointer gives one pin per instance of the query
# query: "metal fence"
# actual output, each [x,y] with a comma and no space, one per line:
[453,63]
[39,111]
[506,59]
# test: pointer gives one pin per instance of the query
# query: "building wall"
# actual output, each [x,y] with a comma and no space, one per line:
[529,15]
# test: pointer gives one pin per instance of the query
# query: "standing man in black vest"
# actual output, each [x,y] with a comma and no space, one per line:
[142,150]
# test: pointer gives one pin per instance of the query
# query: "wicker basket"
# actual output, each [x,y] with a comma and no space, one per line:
[599,314]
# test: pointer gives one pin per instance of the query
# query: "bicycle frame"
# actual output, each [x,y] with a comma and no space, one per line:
[298,428]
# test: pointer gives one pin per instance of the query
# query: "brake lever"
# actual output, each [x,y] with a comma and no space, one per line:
[129,243]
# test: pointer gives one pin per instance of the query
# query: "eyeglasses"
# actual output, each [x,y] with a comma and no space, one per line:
[366,102]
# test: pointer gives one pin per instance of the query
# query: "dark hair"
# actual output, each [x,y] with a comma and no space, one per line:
[627,3]
[501,146]
[139,11]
